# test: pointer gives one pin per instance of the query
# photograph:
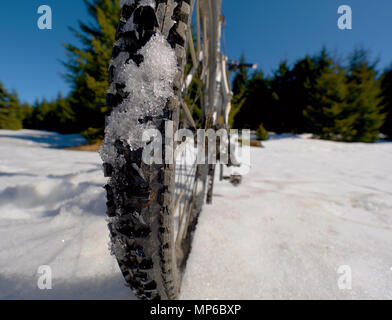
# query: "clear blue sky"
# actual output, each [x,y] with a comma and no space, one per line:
[268,31]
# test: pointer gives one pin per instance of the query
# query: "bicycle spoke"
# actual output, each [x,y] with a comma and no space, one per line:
[188,114]
[198,43]
[178,201]
[180,224]
[192,49]
[198,84]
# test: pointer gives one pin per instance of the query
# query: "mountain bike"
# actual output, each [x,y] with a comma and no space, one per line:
[153,208]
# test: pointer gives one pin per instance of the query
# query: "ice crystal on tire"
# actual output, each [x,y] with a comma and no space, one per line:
[148,87]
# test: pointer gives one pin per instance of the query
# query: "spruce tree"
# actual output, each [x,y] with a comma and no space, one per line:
[88,64]
[55,115]
[280,100]
[292,92]
[345,104]
[362,117]
[386,87]
[328,104]
[255,104]
[11,112]
[303,79]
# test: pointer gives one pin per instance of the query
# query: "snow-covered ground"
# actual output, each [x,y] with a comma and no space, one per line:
[306,208]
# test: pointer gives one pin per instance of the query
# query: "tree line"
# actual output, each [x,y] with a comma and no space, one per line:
[344,102]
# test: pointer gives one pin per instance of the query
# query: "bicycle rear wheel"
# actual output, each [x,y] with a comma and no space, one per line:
[152,208]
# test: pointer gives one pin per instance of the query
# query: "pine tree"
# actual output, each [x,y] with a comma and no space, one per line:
[280,99]
[11,112]
[55,115]
[88,65]
[328,104]
[64,115]
[345,104]
[292,92]
[255,103]
[303,79]
[386,87]
[363,117]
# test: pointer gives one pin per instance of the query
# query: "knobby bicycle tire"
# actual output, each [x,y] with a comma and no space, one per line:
[140,196]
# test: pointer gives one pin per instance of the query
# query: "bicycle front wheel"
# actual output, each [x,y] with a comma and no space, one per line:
[153,208]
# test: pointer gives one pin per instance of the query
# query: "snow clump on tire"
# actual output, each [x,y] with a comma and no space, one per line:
[149,86]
